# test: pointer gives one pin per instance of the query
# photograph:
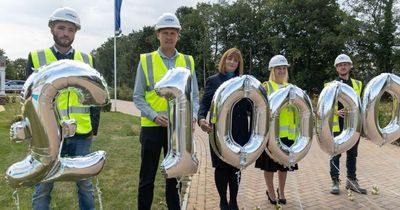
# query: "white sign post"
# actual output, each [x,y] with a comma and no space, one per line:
[2,75]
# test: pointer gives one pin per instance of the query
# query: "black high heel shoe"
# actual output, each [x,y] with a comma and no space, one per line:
[233,205]
[281,201]
[269,198]
[223,205]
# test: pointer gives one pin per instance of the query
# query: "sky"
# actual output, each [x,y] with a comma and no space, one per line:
[24,23]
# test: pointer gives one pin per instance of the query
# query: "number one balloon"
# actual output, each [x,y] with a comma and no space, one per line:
[176,88]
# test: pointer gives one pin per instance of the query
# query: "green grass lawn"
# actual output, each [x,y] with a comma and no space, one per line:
[118,136]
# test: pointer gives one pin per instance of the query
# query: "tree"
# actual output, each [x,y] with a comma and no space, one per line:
[310,34]
[20,65]
[15,70]
[2,52]
[129,48]
[378,31]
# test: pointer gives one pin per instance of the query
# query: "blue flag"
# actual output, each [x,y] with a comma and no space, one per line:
[117,25]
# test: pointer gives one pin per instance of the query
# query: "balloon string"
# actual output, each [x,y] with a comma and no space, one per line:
[178,187]
[99,193]
[238,175]
[347,179]
[242,159]
[16,198]
[297,193]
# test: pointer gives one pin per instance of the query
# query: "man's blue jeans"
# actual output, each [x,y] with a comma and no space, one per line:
[351,163]
[74,146]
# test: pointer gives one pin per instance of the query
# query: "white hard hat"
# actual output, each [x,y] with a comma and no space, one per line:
[278,60]
[342,58]
[65,14]
[167,20]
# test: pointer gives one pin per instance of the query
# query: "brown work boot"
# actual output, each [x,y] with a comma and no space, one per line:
[335,186]
[352,184]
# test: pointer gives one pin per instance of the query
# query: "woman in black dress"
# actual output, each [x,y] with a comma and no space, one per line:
[278,78]
[230,65]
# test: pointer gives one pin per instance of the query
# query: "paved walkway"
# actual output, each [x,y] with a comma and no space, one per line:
[306,188]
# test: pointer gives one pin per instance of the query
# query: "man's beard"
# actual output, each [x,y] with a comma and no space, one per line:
[62,44]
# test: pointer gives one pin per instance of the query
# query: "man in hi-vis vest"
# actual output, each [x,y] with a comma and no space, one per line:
[154,134]
[343,64]
[64,23]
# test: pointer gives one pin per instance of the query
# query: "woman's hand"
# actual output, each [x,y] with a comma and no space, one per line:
[341,113]
[205,126]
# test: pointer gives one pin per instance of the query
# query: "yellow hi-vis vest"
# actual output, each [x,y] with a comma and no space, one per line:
[357,86]
[154,70]
[287,117]
[46,56]
[68,100]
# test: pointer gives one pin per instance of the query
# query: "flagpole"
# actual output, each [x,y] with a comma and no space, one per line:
[115,65]
[115,73]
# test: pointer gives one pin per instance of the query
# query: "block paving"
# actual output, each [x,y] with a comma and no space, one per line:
[307,188]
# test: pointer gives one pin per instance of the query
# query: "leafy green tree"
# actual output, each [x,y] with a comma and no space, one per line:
[378,29]
[195,39]
[104,56]
[142,41]
[129,48]
[15,70]
[310,34]
[242,32]
[19,65]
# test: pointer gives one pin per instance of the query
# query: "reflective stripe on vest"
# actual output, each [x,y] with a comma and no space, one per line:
[154,69]
[287,117]
[357,86]
[68,99]
[69,108]
[46,56]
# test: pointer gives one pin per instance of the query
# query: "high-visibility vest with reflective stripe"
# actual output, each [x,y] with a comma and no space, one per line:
[357,86]
[46,56]
[154,69]
[287,119]
[69,108]
[68,100]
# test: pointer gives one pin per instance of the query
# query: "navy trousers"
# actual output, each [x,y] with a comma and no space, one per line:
[153,139]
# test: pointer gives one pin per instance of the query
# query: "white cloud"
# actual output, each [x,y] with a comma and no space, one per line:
[23,25]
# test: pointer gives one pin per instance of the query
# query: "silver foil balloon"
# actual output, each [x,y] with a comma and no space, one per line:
[337,91]
[373,92]
[297,99]
[222,142]
[40,124]
[176,88]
